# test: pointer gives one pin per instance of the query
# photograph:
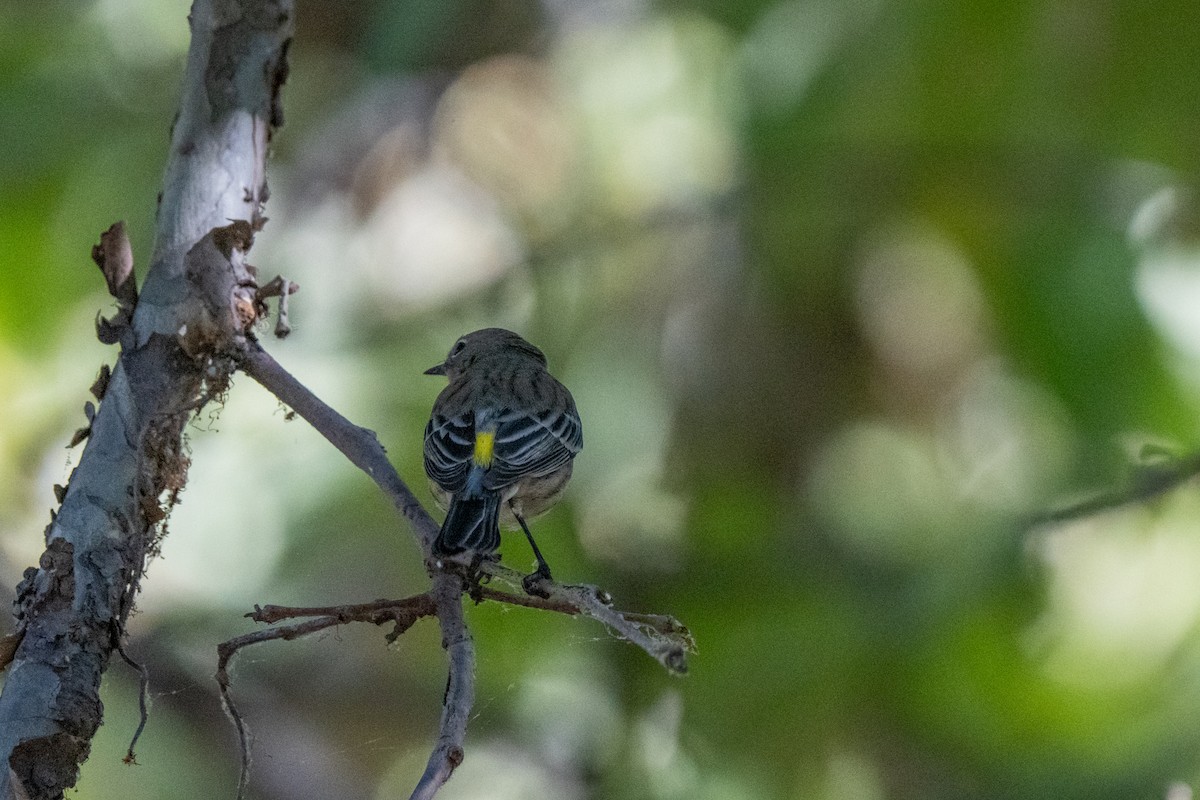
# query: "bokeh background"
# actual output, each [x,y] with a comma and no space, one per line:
[849,294]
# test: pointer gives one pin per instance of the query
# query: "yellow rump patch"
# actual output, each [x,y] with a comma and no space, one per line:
[485,443]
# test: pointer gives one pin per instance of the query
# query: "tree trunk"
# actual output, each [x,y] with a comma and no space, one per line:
[71,608]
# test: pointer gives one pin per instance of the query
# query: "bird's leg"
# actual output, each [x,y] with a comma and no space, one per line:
[543,570]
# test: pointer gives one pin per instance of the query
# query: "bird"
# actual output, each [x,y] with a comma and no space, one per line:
[500,443]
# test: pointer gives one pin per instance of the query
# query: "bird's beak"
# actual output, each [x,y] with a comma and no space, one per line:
[440,369]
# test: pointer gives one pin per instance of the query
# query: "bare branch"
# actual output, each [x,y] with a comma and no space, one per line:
[360,445]
[226,651]
[460,687]
[363,449]
[282,288]
[143,700]
[661,623]
[664,638]
[1148,481]
[410,609]
[282,326]
[403,612]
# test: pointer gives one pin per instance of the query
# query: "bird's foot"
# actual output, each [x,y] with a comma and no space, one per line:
[534,582]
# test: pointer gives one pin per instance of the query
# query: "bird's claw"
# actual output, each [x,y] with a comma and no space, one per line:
[533,583]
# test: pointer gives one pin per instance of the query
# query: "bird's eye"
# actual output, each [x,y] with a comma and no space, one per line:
[458,347]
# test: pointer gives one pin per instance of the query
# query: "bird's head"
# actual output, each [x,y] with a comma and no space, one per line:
[485,345]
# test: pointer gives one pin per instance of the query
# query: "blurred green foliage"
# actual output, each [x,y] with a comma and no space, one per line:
[848,293]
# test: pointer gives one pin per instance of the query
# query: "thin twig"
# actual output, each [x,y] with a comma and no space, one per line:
[527,601]
[1148,482]
[143,700]
[282,288]
[376,612]
[360,445]
[662,623]
[226,651]
[666,639]
[282,326]
[404,613]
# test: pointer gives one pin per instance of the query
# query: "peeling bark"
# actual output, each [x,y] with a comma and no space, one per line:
[72,607]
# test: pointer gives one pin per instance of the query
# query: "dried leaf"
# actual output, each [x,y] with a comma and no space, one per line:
[108,332]
[114,256]
[100,386]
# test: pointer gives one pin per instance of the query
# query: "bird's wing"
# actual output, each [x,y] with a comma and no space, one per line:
[449,445]
[534,443]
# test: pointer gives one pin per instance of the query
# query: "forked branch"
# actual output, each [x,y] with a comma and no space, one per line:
[663,637]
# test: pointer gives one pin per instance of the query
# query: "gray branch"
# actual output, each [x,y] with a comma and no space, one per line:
[360,445]
[460,687]
[363,449]
[71,608]
[662,637]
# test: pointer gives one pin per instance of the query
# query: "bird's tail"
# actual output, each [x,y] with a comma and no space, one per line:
[473,523]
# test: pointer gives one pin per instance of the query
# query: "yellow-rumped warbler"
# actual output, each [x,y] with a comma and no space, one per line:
[499,443]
